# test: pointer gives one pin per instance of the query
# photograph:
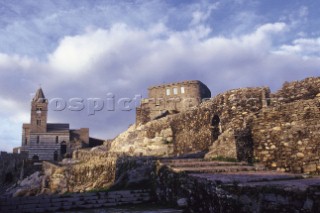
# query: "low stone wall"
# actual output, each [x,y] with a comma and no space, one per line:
[235,193]
[73,201]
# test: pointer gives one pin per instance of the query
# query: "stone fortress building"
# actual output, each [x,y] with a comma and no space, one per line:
[51,141]
[171,99]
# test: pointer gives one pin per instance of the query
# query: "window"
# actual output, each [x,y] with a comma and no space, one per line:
[26,141]
[38,139]
[182,90]
[175,91]
[57,139]
[168,91]
[38,122]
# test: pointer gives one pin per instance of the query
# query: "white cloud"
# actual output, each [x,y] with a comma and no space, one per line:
[199,16]
[306,47]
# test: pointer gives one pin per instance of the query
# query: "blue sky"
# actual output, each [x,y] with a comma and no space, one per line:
[91,48]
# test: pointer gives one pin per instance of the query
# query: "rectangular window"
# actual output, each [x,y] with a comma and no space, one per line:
[38,122]
[57,139]
[38,139]
[168,91]
[25,141]
[182,90]
[175,91]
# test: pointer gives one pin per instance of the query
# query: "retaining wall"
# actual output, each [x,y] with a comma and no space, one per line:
[73,201]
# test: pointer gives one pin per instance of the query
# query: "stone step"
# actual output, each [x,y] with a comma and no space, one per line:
[182,160]
[206,164]
[218,169]
[247,176]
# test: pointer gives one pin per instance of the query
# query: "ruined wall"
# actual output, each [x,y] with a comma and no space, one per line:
[220,195]
[297,90]
[10,166]
[286,137]
[196,129]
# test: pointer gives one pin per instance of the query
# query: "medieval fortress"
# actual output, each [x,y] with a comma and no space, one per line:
[250,124]
[242,150]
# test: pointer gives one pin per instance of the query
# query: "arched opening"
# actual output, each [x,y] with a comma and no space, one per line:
[8,178]
[63,148]
[215,127]
[35,158]
[55,156]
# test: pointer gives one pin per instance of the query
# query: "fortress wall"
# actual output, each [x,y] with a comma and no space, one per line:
[286,137]
[197,129]
[297,90]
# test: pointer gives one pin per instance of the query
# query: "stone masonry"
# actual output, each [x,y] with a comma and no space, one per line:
[170,99]
[49,141]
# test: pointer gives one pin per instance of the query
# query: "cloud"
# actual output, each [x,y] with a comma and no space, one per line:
[306,47]
[154,43]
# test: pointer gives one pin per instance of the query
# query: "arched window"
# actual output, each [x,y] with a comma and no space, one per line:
[35,158]
[57,139]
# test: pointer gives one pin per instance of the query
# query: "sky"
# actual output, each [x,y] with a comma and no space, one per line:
[109,51]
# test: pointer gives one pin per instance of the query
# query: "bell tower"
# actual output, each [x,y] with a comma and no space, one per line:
[39,113]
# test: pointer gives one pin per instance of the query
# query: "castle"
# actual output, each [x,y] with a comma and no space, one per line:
[170,99]
[51,141]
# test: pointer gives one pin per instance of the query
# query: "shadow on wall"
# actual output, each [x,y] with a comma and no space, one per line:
[215,127]
[244,145]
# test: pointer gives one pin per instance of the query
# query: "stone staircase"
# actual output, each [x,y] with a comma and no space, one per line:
[199,165]
[237,187]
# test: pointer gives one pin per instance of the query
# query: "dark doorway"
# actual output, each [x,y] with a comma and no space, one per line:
[55,156]
[215,127]
[8,177]
[35,158]
[63,148]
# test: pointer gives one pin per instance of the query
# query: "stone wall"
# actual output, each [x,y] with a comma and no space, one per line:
[74,201]
[298,90]
[196,129]
[235,194]
[12,168]
[286,137]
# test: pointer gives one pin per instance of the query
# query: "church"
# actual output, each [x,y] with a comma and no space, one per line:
[51,141]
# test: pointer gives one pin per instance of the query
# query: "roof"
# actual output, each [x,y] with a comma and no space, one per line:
[176,84]
[57,127]
[39,96]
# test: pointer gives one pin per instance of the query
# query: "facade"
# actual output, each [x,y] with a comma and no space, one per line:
[170,99]
[49,141]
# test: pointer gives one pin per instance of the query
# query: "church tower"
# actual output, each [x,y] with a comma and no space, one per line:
[39,113]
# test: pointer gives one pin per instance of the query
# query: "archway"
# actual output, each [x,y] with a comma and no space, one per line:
[63,148]
[35,158]
[215,127]
[55,156]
